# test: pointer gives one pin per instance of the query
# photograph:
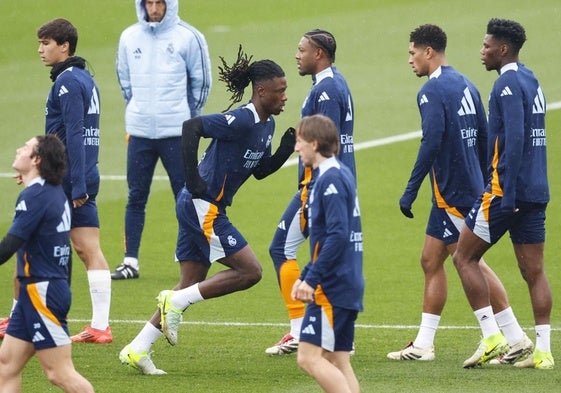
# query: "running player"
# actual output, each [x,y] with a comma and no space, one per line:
[240,147]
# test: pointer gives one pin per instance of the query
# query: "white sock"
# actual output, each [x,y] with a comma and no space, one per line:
[427,330]
[295,327]
[14,302]
[183,298]
[145,338]
[132,262]
[509,325]
[487,321]
[543,338]
[100,293]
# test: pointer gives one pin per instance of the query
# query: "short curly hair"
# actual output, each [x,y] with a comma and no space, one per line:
[429,35]
[508,31]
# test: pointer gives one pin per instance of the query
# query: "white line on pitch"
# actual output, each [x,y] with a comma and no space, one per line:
[273,324]
[359,146]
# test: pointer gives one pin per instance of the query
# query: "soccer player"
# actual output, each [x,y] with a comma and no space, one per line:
[40,234]
[332,282]
[329,96]
[240,147]
[163,68]
[516,196]
[72,114]
[453,152]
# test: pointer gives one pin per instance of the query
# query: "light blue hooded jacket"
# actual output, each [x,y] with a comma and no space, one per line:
[164,72]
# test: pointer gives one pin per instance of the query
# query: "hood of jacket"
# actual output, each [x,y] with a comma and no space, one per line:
[171,18]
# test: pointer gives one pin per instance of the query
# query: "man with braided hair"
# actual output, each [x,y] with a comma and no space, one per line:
[240,147]
[330,96]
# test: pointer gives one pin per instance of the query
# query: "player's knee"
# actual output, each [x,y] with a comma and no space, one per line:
[81,252]
[254,276]
[55,377]
[457,259]
[464,265]
[274,252]
[4,362]
[430,265]
[250,275]
[277,262]
[305,362]
[137,201]
[278,255]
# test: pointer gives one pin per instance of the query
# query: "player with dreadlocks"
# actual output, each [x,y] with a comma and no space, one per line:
[240,147]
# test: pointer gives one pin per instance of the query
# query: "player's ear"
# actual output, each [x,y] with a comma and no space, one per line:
[429,52]
[36,160]
[504,48]
[65,46]
[260,89]
[315,145]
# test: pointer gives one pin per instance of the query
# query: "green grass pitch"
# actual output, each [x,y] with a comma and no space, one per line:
[221,344]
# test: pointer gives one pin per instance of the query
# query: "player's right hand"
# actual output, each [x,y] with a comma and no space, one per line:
[196,186]
[79,202]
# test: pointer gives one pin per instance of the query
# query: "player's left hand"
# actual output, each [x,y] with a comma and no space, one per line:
[18,178]
[289,138]
[406,211]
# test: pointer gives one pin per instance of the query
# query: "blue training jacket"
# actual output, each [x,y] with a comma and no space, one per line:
[335,270]
[453,148]
[517,138]
[72,113]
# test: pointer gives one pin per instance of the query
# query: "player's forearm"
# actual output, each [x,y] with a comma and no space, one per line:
[8,247]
